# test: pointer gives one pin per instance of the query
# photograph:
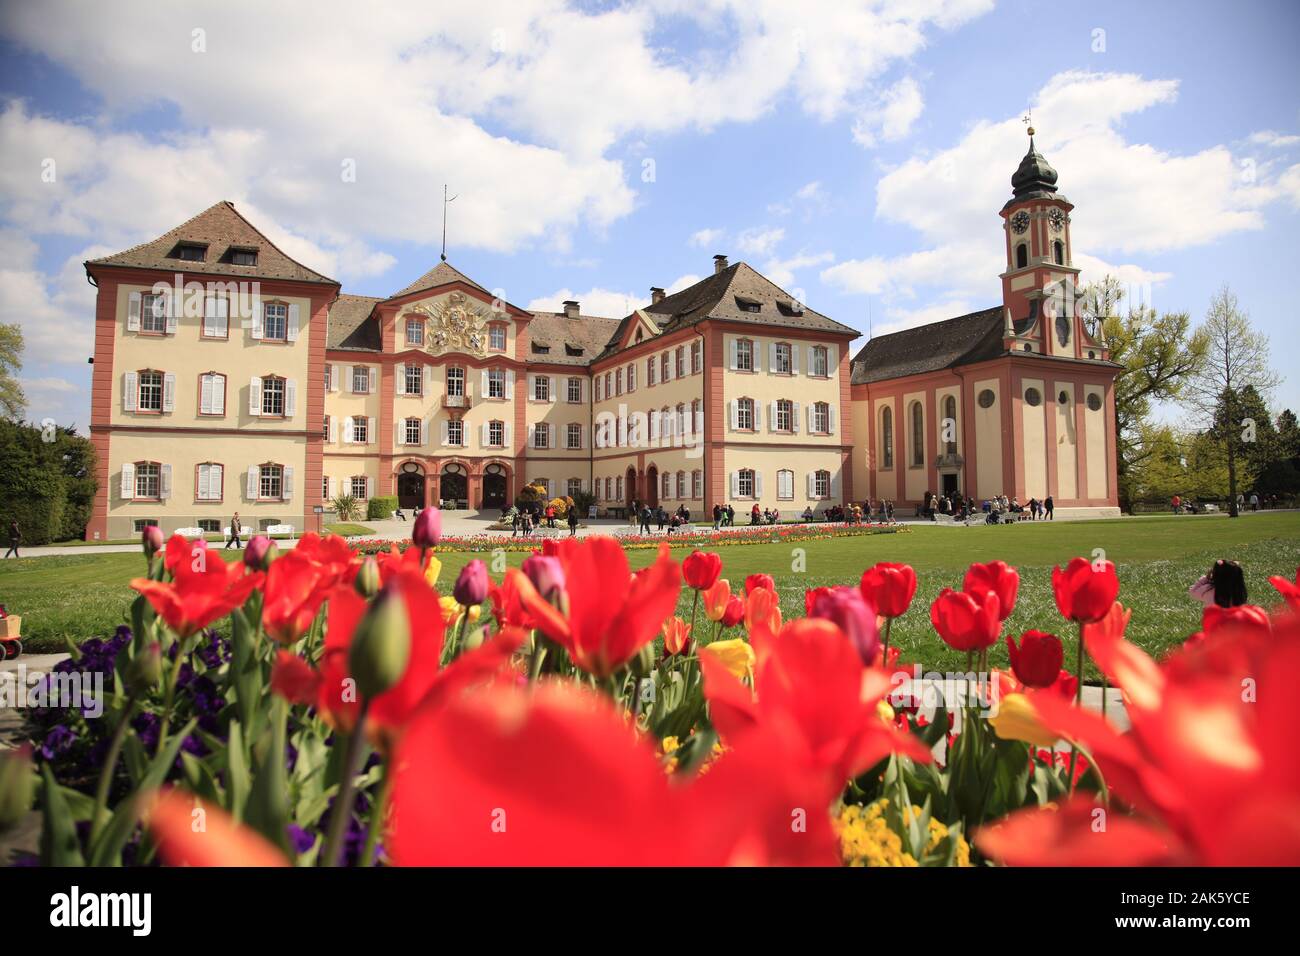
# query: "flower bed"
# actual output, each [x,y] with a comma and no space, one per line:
[356,715]
[763,534]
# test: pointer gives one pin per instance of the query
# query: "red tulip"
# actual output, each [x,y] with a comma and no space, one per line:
[1208,765]
[1290,590]
[612,613]
[151,540]
[1085,590]
[810,596]
[426,532]
[813,692]
[205,588]
[889,588]
[555,777]
[1037,661]
[701,569]
[337,561]
[998,577]
[1214,617]
[734,613]
[293,595]
[763,582]
[966,622]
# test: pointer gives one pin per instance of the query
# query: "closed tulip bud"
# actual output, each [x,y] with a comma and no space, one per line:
[734,612]
[381,646]
[1037,661]
[471,584]
[643,664]
[366,582]
[846,608]
[260,552]
[427,530]
[1085,590]
[151,539]
[998,577]
[755,582]
[889,588]
[475,638]
[701,569]
[145,669]
[17,785]
[547,576]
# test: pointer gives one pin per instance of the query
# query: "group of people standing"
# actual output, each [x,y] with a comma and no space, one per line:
[996,510]
[645,514]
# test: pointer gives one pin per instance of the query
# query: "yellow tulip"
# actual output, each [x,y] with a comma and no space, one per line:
[1017,719]
[734,654]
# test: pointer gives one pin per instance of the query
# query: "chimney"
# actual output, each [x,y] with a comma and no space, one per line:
[719,263]
[570,309]
[656,295]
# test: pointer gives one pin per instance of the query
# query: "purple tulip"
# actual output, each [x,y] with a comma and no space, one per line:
[151,539]
[546,574]
[471,584]
[258,552]
[847,608]
[427,530]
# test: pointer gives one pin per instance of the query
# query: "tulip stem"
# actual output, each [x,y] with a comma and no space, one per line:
[1078,702]
[169,696]
[884,653]
[377,814]
[106,772]
[341,812]
[695,603]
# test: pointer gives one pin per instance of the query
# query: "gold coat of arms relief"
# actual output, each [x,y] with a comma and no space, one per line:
[455,324]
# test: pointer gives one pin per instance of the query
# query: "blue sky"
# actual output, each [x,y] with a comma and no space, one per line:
[856,153]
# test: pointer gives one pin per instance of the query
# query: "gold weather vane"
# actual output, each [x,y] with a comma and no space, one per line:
[1028,120]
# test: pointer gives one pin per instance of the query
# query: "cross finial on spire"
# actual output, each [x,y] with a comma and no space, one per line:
[445,201]
[1028,120]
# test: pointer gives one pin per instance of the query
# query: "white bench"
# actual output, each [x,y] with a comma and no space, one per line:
[280,529]
[190,532]
[941,518]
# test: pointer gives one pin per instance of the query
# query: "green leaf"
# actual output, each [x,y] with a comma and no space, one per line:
[59,845]
[268,803]
[237,778]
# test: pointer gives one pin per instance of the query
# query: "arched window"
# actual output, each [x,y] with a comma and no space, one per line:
[887,437]
[1022,256]
[950,424]
[918,435]
[1058,252]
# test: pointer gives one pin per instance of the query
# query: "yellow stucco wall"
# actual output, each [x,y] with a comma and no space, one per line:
[1067,461]
[1033,420]
[988,439]
[1094,423]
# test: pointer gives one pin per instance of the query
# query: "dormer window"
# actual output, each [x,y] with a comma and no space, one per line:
[573,350]
[790,308]
[190,251]
[242,256]
[748,305]
[541,349]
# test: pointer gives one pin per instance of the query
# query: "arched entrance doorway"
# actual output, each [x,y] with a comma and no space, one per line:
[652,486]
[629,483]
[494,487]
[454,486]
[410,486]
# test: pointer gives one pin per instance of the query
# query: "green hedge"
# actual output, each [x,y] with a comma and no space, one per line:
[47,484]
[381,507]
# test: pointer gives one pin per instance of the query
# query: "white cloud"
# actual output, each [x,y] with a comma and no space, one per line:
[760,240]
[609,303]
[1131,199]
[1272,138]
[705,237]
[782,271]
[891,116]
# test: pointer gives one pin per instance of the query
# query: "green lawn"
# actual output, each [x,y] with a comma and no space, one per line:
[349,529]
[1157,556]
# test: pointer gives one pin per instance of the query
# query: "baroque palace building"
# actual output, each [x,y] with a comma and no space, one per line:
[229,377]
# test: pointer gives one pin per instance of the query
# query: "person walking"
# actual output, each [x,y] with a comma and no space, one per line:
[1049,508]
[573,521]
[645,519]
[236,529]
[15,537]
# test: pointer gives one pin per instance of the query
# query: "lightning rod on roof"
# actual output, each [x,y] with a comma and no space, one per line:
[445,201]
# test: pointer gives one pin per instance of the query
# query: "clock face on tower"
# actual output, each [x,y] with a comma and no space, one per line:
[1057,219]
[1020,222]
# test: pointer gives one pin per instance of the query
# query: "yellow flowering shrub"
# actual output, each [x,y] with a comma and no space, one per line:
[866,838]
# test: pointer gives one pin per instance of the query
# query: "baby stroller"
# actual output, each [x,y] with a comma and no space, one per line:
[11,644]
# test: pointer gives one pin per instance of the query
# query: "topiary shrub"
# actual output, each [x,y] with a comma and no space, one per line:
[381,506]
